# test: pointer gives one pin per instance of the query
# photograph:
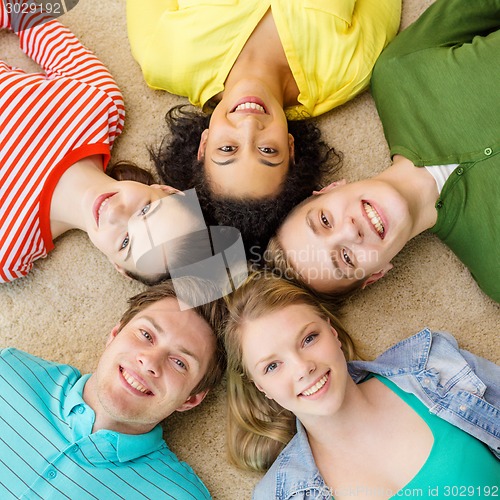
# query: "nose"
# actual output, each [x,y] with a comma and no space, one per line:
[304,367]
[349,230]
[116,213]
[248,122]
[150,362]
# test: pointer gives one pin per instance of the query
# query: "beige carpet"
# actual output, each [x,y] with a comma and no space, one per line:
[65,308]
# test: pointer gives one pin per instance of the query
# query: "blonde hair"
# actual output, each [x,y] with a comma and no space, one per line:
[259,428]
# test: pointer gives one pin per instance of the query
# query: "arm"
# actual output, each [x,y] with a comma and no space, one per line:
[448,22]
[61,54]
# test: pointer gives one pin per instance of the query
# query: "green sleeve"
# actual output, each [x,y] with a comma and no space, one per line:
[448,22]
[436,85]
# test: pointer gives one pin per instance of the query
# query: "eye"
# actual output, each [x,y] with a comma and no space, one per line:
[310,339]
[145,210]
[347,259]
[271,367]
[125,242]
[324,220]
[179,363]
[227,149]
[147,335]
[268,151]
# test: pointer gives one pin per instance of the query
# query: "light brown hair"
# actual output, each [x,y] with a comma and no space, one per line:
[259,428]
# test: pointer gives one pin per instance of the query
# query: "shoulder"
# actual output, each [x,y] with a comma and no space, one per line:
[175,477]
[293,474]
[20,362]
[424,350]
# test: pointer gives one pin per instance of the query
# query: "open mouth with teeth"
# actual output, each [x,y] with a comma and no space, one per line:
[317,386]
[99,205]
[250,105]
[134,383]
[375,219]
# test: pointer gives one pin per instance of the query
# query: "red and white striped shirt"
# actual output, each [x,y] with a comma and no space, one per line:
[48,121]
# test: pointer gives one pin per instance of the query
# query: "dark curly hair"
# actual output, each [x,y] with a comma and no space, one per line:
[177,165]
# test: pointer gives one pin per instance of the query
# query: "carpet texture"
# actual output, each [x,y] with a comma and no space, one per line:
[65,308]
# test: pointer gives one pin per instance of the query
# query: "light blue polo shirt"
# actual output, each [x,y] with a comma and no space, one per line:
[48,450]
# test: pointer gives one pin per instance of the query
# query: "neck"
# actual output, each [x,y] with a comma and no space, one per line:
[69,200]
[263,59]
[349,428]
[324,430]
[419,189]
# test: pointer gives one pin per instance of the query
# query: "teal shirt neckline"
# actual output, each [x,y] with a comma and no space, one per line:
[446,469]
[125,447]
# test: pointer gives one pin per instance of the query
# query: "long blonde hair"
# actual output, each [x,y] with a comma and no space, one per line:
[259,428]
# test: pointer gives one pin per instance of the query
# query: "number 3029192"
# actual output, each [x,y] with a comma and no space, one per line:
[469,491]
[31,8]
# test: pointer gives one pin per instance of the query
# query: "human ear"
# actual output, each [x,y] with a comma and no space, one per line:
[332,185]
[335,333]
[192,401]
[203,145]
[260,388]
[168,189]
[121,270]
[376,276]
[291,147]
[113,334]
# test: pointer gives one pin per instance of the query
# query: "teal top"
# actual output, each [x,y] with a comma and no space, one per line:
[458,464]
[48,449]
[436,91]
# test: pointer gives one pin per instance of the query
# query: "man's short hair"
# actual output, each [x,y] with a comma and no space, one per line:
[189,290]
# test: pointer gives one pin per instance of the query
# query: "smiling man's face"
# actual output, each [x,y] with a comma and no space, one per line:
[346,234]
[150,367]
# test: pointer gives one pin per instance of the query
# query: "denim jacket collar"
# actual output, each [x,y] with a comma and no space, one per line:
[408,356]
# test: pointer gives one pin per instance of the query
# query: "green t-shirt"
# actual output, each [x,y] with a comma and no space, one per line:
[436,88]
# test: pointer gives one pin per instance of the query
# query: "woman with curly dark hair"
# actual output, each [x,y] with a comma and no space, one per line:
[255,66]
[257,219]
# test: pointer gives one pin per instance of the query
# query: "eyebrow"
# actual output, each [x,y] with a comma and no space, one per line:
[271,356]
[267,163]
[161,331]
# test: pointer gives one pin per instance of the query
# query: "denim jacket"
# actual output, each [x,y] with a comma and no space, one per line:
[457,386]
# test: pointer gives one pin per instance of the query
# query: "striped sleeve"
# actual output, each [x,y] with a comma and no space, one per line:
[60,53]
[49,121]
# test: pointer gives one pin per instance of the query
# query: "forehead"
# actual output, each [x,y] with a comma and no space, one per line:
[285,324]
[311,257]
[180,326]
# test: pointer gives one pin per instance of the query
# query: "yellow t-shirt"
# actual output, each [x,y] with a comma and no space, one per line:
[188,47]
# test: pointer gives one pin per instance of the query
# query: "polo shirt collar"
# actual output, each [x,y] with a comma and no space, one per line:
[114,446]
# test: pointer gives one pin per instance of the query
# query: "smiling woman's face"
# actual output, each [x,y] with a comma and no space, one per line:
[247,147]
[127,223]
[294,356]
